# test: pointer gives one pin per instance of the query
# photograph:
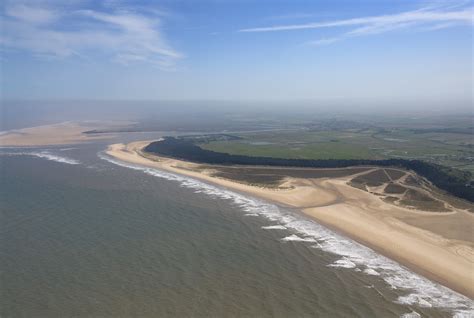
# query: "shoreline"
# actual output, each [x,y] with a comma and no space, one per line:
[64,133]
[389,230]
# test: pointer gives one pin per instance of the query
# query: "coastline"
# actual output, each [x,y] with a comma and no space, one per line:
[401,234]
[65,133]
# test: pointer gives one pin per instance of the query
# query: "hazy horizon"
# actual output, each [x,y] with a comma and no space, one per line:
[16,114]
[237,158]
[417,51]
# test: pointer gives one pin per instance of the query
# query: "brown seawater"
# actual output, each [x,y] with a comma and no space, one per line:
[84,236]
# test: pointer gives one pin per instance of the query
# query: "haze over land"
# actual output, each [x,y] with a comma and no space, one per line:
[236,158]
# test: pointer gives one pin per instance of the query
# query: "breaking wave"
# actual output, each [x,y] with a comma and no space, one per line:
[45,155]
[418,290]
[274,227]
[296,238]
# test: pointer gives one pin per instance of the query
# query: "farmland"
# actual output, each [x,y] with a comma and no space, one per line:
[448,146]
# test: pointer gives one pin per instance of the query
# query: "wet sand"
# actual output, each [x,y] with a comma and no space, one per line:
[437,246]
[56,134]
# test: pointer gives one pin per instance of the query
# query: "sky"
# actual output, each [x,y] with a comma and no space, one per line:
[377,50]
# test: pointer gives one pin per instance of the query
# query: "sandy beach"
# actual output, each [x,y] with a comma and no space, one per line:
[439,246]
[56,134]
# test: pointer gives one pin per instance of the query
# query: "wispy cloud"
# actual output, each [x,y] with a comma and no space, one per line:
[430,18]
[31,15]
[324,41]
[122,36]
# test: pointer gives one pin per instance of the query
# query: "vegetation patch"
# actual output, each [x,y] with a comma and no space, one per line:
[457,182]
[432,206]
[415,195]
[395,174]
[390,199]
[289,172]
[358,185]
[372,179]
[413,181]
[394,188]
[267,180]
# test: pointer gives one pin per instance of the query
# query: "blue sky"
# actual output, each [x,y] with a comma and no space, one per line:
[238,50]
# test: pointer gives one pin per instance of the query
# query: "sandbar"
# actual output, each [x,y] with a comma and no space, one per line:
[64,133]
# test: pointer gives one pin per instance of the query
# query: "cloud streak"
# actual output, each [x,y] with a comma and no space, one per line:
[121,36]
[430,18]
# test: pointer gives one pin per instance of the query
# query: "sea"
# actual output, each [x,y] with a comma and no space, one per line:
[85,235]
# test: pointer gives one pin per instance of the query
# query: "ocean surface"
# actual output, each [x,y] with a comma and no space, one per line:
[84,235]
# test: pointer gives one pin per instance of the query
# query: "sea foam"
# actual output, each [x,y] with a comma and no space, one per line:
[274,227]
[45,155]
[418,290]
[296,238]
[412,314]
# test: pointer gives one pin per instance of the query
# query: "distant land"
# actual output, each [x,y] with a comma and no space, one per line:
[396,206]
[303,135]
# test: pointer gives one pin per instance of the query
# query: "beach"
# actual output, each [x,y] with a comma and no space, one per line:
[64,133]
[315,242]
[436,245]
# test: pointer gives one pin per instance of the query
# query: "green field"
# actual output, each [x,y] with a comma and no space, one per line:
[453,149]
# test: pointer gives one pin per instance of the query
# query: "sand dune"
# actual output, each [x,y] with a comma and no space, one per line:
[438,246]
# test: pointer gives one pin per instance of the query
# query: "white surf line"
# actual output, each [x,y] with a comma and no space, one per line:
[67,149]
[274,227]
[419,290]
[44,154]
[296,238]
